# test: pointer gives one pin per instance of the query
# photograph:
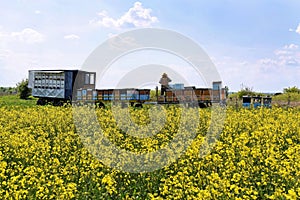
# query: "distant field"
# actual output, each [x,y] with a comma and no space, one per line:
[280,100]
[293,98]
[10,100]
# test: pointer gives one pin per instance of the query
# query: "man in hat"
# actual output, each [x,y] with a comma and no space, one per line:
[164,81]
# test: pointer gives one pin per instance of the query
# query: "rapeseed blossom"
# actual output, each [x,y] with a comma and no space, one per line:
[257,155]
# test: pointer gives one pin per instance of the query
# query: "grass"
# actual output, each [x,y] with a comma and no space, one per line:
[287,99]
[291,99]
[286,96]
[10,100]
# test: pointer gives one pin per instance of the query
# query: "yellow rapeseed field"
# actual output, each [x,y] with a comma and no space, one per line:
[43,155]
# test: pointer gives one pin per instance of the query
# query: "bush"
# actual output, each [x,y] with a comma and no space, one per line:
[291,90]
[23,90]
[245,91]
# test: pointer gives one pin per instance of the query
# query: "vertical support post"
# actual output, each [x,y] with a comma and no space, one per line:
[156,93]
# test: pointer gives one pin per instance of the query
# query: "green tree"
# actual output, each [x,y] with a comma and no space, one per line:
[245,91]
[23,90]
[226,91]
[153,94]
[291,90]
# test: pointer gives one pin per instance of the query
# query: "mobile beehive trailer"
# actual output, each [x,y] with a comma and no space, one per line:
[133,96]
[57,86]
[204,97]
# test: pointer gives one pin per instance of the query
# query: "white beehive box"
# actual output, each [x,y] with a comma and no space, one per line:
[47,83]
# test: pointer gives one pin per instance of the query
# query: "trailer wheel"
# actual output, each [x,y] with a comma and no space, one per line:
[208,104]
[138,105]
[41,102]
[67,103]
[101,105]
[202,105]
[58,103]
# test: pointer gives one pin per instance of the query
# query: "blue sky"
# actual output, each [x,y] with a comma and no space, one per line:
[252,43]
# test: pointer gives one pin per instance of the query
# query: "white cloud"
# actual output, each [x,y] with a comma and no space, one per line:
[287,50]
[291,46]
[28,36]
[268,61]
[71,37]
[4,36]
[37,12]
[281,52]
[291,30]
[110,35]
[298,29]
[268,74]
[291,61]
[289,55]
[5,53]
[137,16]
[1,35]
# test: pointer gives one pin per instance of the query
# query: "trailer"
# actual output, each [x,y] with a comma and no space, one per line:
[57,86]
[100,97]
[203,97]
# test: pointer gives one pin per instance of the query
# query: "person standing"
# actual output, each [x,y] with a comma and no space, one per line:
[164,81]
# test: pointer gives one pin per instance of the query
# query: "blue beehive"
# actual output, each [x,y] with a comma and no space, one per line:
[256,102]
[177,86]
[246,101]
